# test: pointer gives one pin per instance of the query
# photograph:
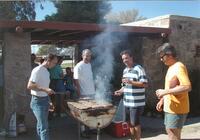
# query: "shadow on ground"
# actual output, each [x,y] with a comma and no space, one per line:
[67,129]
[192,120]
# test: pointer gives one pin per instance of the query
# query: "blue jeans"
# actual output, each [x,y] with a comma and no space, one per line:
[40,108]
[173,121]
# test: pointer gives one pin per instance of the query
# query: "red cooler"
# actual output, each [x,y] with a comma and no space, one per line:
[119,129]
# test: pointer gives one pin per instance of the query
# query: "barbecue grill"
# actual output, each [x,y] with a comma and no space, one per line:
[92,114]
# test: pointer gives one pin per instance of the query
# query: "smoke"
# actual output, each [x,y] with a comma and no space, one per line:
[103,61]
[103,65]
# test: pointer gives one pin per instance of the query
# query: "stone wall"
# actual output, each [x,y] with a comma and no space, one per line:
[17,69]
[185,36]
[154,68]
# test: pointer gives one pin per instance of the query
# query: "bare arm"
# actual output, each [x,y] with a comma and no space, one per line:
[77,86]
[33,86]
[119,92]
[179,89]
[134,83]
[174,91]
[159,106]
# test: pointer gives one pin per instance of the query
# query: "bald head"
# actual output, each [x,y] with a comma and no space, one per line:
[86,55]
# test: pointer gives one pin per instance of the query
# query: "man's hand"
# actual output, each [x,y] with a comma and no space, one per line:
[126,81]
[51,107]
[118,93]
[49,91]
[33,86]
[160,93]
[159,106]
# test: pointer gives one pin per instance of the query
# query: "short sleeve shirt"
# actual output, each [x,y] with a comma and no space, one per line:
[178,104]
[134,96]
[41,77]
[83,73]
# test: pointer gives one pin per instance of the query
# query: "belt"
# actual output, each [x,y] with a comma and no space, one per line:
[39,96]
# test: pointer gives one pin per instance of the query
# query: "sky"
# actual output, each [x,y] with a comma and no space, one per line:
[146,8]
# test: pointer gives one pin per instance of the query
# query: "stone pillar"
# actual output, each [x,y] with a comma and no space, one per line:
[17,69]
[154,68]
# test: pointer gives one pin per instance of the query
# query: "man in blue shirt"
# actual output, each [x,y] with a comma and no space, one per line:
[134,82]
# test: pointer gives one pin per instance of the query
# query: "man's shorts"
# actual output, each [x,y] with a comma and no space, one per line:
[174,120]
[133,115]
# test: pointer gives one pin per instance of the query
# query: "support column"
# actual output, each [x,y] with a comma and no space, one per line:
[17,69]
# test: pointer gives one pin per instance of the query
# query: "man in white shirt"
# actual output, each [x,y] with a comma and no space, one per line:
[39,86]
[83,76]
[84,83]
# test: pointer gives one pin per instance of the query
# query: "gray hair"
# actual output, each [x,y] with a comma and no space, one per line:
[86,51]
[167,48]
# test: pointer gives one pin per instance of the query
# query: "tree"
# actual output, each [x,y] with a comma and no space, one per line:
[124,17]
[17,10]
[80,11]
[58,50]
[45,49]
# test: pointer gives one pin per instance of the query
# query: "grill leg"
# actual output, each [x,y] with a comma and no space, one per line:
[79,130]
[98,133]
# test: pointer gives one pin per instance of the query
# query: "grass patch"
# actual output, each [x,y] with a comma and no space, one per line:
[66,65]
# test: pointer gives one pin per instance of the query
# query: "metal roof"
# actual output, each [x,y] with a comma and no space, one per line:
[69,33]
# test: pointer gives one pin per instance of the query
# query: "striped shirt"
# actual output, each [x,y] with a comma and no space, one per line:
[134,96]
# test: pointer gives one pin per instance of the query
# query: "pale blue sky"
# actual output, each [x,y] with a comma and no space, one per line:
[148,8]
[151,8]
[48,10]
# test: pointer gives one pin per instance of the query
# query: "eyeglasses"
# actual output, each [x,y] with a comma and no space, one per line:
[161,57]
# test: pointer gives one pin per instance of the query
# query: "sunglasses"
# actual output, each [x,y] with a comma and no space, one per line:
[161,57]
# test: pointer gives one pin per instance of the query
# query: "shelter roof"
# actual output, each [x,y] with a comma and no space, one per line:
[43,32]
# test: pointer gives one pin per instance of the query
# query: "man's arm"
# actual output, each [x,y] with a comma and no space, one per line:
[119,92]
[134,83]
[174,91]
[33,86]
[142,81]
[159,106]
[77,86]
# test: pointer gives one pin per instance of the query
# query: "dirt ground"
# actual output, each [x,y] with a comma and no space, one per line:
[152,129]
